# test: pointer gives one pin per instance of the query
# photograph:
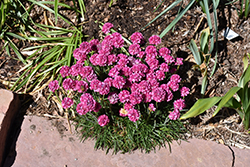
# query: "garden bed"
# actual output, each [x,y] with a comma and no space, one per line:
[130,16]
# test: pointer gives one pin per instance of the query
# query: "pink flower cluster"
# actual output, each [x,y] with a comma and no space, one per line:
[127,81]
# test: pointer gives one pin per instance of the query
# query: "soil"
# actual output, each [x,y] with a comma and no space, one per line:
[129,16]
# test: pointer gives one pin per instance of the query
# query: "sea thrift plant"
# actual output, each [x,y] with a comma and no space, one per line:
[118,95]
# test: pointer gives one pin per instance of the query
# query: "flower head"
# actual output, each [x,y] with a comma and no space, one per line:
[67,102]
[103,120]
[174,115]
[113,98]
[123,112]
[134,49]
[53,85]
[154,40]
[179,104]
[137,38]
[106,27]
[65,71]
[184,91]
[151,107]
[133,115]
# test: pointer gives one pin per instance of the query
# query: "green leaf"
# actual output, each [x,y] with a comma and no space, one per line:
[245,61]
[245,77]
[177,19]
[233,103]
[204,83]
[56,10]
[200,106]
[247,8]
[226,98]
[204,39]
[166,10]
[194,49]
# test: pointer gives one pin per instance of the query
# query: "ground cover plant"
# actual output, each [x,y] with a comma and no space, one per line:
[124,100]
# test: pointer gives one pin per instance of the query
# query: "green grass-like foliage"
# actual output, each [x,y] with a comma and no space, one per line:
[124,135]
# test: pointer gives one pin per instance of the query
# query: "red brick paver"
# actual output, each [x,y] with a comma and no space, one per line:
[44,142]
[9,105]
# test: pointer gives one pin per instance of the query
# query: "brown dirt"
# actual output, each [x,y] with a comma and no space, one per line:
[129,16]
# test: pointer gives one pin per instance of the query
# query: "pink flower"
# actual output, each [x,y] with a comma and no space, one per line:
[117,40]
[113,72]
[126,71]
[147,97]
[119,82]
[86,71]
[151,107]
[108,81]
[133,115]
[174,115]
[179,61]
[134,49]
[153,63]
[137,38]
[164,51]
[160,75]
[135,98]
[123,62]
[53,85]
[113,98]
[169,95]
[94,85]
[173,85]
[144,87]
[141,54]
[94,45]
[85,48]
[151,52]
[97,107]
[112,59]
[81,86]
[79,54]
[154,40]
[92,59]
[76,69]
[80,109]
[123,112]
[67,83]
[179,104]
[103,88]
[67,102]
[103,120]
[106,27]
[175,78]
[168,59]
[101,60]
[165,87]
[124,96]
[135,77]
[164,67]
[91,77]
[134,87]
[154,83]
[65,71]
[88,101]
[158,94]
[184,91]
[128,106]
